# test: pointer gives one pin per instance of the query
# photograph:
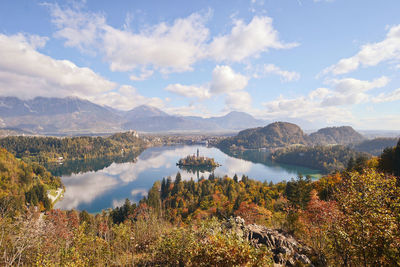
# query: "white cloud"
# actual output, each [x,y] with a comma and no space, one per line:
[126,98]
[387,97]
[319,93]
[26,73]
[200,92]
[386,122]
[239,100]
[354,85]
[286,76]
[329,105]
[81,30]
[225,79]
[347,99]
[370,54]
[305,108]
[35,41]
[246,40]
[143,75]
[350,91]
[192,109]
[166,47]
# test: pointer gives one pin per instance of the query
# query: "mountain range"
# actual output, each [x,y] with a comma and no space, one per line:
[70,115]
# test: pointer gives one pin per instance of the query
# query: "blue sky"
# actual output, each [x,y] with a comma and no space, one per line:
[315,63]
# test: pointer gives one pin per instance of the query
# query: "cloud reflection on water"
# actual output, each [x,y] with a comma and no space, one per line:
[84,188]
[119,181]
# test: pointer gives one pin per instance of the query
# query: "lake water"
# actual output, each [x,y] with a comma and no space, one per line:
[107,184]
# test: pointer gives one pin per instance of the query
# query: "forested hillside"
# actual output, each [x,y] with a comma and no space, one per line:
[283,134]
[47,149]
[23,183]
[324,158]
[390,160]
[278,134]
[375,146]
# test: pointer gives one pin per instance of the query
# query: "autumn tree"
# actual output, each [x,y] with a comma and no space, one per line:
[368,233]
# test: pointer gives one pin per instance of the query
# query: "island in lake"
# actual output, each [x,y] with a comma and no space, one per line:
[197,161]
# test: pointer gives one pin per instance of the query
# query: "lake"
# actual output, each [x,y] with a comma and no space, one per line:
[100,184]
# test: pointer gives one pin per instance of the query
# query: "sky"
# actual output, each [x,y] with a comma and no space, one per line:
[316,63]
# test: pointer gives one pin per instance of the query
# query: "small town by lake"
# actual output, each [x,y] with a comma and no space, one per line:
[103,184]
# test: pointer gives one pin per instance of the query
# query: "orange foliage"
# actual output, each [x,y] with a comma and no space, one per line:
[253,213]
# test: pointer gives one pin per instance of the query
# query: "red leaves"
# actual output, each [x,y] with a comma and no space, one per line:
[252,213]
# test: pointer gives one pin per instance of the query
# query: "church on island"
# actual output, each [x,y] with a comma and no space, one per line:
[196,160]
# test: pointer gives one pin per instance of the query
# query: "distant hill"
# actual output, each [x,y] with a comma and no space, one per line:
[343,135]
[72,115]
[55,115]
[282,134]
[150,119]
[277,134]
[162,124]
[375,146]
[236,120]
[144,111]
[13,131]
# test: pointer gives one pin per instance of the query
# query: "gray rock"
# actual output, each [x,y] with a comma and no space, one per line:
[287,251]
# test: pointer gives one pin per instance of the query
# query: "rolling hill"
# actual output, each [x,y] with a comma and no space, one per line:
[277,134]
[343,135]
[283,134]
[375,146]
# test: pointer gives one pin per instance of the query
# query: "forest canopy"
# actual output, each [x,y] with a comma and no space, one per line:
[48,149]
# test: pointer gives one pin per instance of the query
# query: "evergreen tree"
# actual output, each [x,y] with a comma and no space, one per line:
[178,178]
[396,170]
[46,203]
[235,178]
[298,192]
[163,189]
[168,186]
[350,164]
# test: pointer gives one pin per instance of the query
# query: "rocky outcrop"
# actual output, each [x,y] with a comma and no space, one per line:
[286,250]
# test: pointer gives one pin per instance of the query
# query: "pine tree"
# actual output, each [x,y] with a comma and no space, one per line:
[396,170]
[163,189]
[178,178]
[235,178]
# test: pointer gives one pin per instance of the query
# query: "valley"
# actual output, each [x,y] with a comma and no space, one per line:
[200,133]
